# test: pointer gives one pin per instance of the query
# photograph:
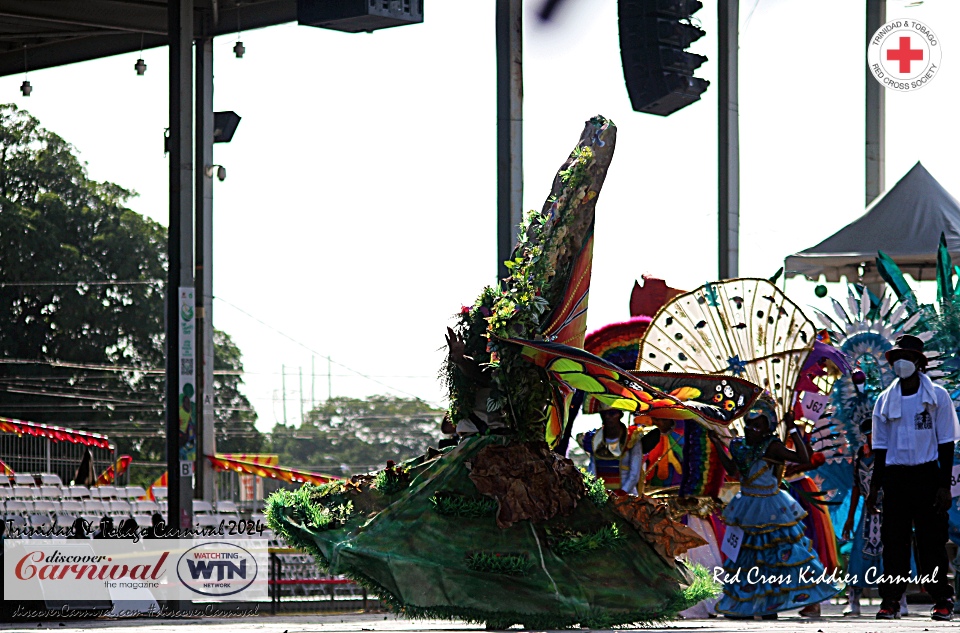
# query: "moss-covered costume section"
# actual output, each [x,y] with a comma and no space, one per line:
[426,563]
[500,529]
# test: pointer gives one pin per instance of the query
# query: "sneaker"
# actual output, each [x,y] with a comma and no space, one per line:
[888,613]
[942,612]
[852,610]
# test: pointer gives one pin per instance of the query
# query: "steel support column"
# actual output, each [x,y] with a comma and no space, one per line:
[875,110]
[204,269]
[179,242]
[509,127]
[728,137]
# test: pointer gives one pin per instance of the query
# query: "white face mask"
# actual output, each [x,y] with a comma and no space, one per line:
[904,368]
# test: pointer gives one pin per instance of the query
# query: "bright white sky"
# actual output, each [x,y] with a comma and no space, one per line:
[359,211]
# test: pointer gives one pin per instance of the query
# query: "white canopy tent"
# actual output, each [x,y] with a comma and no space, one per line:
[905,223]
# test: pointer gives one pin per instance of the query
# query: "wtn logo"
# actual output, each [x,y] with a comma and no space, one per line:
[224,568]
[218,568]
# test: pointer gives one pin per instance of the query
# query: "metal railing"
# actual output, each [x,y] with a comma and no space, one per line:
[297,584]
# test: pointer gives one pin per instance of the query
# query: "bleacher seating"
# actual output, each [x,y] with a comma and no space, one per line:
[43,501]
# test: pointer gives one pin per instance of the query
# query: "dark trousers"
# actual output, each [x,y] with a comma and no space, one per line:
[908,494]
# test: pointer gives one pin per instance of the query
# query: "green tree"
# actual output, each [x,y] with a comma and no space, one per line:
[81,297]
[235,422]
[350,435]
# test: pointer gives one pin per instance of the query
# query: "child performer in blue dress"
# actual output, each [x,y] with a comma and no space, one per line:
[776,568]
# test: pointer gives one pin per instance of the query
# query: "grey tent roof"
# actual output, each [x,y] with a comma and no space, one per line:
[905,223]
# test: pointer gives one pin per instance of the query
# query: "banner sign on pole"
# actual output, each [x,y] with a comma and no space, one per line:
[188,381]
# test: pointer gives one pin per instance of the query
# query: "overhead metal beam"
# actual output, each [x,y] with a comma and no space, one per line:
[59,53]
[728,137]
[117,16]
[875,112]
[509,24]
[128,25]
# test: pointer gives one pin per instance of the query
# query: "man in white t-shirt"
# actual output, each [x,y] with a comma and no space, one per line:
[914,430]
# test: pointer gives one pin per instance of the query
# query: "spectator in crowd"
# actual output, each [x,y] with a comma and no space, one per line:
[106,529]
[79,529]
[127,528]
[157,526]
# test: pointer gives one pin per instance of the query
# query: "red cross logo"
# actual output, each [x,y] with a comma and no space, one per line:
[905,55]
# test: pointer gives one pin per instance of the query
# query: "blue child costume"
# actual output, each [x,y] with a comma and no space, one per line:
[778,568]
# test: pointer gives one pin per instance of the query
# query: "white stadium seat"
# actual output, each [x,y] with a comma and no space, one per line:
[51,492]
[94,506]
[78,492]
[72,506]
[120,507]
[50,479]
[44,506]
[134,492]
[41,520]
[14,506]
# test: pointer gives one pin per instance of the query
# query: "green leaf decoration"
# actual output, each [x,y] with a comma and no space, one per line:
[563,365]
[944,272]
[892,274]
[583,382]
[624,404]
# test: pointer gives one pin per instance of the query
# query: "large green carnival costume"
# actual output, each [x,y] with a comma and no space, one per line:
[500,529]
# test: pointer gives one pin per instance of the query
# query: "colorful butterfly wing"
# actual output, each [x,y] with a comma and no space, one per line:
[714,399]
